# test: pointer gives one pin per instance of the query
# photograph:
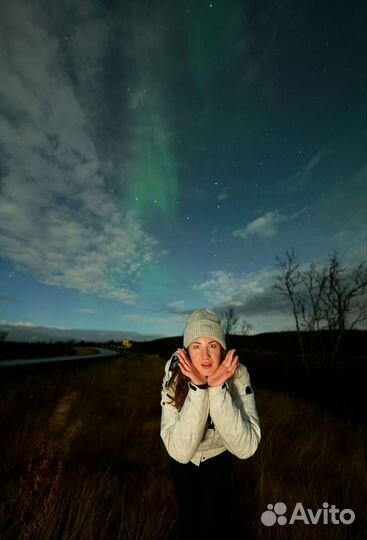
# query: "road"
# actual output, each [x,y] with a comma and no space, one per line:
[103,353]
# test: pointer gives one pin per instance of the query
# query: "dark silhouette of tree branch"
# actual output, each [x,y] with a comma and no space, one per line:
[329,298]
[230,320]
[287,283]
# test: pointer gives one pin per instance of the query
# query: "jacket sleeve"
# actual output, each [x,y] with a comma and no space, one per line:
[183,431]
[236,417]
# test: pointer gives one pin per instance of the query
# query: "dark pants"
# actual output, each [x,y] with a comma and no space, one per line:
[203,497]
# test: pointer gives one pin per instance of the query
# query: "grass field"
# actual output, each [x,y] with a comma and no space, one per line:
[82,458]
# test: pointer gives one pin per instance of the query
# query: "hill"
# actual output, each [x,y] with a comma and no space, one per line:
[354,342]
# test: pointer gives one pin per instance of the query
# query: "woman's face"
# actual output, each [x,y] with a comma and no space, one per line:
[205,354]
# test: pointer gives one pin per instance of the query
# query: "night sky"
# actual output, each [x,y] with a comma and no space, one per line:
[156,157]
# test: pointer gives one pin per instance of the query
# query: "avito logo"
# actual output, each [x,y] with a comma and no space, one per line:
[328,514]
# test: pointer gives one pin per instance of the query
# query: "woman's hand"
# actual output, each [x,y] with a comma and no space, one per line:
[225,370]
[189,370]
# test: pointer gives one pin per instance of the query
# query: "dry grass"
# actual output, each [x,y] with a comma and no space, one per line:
[309,457]
[84,460]
[40,485]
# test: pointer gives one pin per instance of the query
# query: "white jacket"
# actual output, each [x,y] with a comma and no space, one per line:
[211,421]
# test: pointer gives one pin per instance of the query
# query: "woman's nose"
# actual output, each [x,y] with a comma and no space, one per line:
[205,352]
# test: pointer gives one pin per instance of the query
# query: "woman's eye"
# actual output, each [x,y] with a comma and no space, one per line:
[212,346]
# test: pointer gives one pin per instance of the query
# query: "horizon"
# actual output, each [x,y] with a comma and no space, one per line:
[25,331]
[27,334]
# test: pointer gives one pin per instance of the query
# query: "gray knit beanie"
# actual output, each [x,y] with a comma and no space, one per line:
[203,323]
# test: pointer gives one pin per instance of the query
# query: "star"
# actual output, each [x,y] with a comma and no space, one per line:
[218,205]
[187,217]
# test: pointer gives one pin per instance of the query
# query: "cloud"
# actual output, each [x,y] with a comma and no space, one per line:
[19,323]
[161,321]
[268,26]
[171,319]
[60,220]
[178,308]
[264,227]
[4,298]
[223,195]
[250,294]
[300,177]
[341,210]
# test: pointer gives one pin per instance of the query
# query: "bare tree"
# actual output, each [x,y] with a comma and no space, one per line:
[343,301]
[329,298]
[287,283]
[230,320]
[246,328]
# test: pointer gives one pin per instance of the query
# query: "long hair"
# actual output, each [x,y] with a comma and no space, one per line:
[179,383]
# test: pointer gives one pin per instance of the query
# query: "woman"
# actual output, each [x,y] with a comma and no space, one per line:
[208,415]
